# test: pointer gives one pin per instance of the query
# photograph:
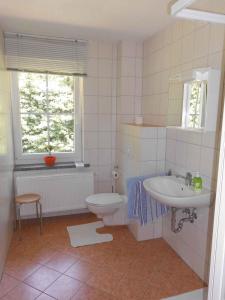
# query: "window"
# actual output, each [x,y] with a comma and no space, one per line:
[194,104]
[46,115]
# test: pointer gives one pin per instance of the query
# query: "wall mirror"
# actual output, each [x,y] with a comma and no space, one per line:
[193,99]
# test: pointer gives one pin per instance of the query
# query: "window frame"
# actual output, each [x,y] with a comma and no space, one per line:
[27,158]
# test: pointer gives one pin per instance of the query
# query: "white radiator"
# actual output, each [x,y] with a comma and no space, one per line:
[59,192]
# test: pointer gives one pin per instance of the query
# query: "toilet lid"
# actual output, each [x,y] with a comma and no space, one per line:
[104,199]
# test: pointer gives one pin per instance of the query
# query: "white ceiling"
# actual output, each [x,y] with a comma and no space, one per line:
[215,6]
[104,19]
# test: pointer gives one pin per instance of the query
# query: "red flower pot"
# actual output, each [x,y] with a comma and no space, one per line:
[50,160]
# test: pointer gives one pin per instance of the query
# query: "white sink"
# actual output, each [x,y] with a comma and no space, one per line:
[173,192]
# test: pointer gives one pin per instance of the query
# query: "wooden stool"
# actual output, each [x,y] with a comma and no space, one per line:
[25,199]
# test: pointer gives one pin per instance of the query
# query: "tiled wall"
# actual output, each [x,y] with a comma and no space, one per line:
[129,90]
[100,112]
[113,95]
[181,47]
[184,46]
[129,81]
[6,161]
[193,151]
[142,152]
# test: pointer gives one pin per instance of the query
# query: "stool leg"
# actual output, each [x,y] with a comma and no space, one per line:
[37,209]
[19,220]
[40,207]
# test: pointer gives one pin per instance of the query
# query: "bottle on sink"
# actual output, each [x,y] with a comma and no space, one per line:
[197,182]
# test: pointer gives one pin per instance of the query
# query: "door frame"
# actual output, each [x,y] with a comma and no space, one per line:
[217,265]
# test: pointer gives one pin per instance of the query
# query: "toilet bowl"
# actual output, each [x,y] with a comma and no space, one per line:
[110,207]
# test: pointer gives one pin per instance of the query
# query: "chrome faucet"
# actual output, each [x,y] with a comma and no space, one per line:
[187,178]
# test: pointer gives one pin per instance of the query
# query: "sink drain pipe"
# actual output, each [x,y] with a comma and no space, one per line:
[190,215]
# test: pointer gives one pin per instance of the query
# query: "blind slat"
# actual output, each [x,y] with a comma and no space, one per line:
[39,54]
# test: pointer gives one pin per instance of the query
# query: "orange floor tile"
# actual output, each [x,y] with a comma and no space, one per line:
[46,267]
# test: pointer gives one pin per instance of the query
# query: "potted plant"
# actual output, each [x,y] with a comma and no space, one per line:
[49,159]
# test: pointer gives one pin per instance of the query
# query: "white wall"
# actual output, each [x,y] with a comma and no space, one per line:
[181,47]
[6,162]
[193,151]
[100,112]
[113,91]
[129,81]
[178,49]
[142,152]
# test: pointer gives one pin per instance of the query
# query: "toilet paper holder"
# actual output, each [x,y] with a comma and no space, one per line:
[115,173]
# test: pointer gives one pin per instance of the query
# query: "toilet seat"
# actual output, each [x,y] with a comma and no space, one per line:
[104,199]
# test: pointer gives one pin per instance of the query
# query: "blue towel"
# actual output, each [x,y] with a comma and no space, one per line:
[140,204]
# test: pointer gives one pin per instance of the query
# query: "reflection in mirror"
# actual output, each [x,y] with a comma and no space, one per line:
[193,100]
[194,103]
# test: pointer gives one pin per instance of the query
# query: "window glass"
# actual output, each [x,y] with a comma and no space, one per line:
[47,112]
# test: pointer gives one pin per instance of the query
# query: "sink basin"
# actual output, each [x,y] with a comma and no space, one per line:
[173,192]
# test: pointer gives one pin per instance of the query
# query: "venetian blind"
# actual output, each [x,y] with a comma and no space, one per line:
[41,54]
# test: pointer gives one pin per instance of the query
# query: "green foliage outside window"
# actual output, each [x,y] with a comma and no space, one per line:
[46,112]
[196,104]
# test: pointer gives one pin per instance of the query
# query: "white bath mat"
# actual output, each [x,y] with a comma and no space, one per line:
[85,234]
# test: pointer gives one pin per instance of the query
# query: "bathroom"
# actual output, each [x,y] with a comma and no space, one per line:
[124,116]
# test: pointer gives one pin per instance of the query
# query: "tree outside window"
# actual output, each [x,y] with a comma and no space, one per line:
[47,112]
[195,95]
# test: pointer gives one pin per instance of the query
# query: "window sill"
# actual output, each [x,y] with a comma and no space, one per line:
[31,167]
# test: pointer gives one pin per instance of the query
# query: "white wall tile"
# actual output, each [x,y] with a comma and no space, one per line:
[128,49]
[128,67]
[188,48]
[170,151]
[148,150]
[91,86]
[193,158]
[91,139]
[91,104]
[91,122]
[181,153]
[105,50]
[105,122]
[126,105]
[105,87]
[92,49]
[127,86]
[104,156]
[207,159]
[99,111]
[201,43]
[104,140]
[209,139]
[105,68]
[217,32]
[149,133]
[148,168]
[161,133]
[92,67]
[105,105]
[91,156]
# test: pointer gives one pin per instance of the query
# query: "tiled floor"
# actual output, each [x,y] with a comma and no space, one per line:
[46,267]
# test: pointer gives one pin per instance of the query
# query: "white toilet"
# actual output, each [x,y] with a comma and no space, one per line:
[110,207]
